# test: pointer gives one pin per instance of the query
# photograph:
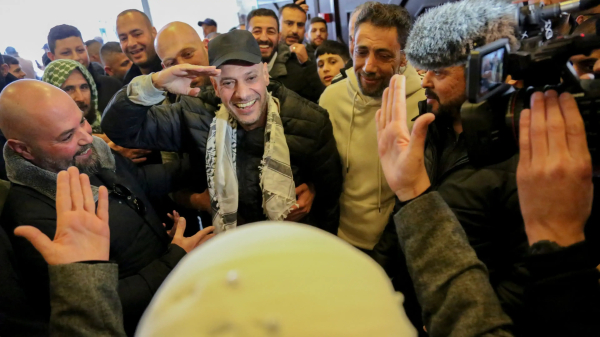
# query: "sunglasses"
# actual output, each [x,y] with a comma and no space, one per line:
[132,201]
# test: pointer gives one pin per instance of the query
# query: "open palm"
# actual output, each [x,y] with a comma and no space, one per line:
[82,234]
[401,154]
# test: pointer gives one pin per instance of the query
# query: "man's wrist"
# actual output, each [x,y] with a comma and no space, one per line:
[537,233]
[155,83]
[406,194]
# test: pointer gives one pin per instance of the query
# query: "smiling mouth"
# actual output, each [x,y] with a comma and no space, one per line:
[245,106]
[264,46]
[136,52]
[328,78]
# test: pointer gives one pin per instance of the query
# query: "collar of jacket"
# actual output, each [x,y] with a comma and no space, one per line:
[283,55]
[22,172]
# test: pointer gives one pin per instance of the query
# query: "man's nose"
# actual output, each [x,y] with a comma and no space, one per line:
[370,65]
[427,80]
[77,96]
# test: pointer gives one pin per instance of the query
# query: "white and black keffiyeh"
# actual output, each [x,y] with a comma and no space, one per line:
[276,179]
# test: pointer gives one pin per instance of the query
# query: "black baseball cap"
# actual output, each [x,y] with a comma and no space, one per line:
[209,22]
[235,45]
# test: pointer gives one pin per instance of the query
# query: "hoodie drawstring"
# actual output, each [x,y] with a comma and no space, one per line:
[350,134]
[379,183]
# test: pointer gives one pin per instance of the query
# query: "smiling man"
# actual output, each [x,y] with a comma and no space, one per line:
[286,57]
[242,127]
[136,35]
[116,64]
[367,201]
[46,134]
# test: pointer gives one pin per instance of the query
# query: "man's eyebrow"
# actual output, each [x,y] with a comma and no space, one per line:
[66,133]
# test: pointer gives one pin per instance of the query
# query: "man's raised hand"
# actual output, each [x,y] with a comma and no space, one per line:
[82,233]
[179,79]
[554,176]
[402,153]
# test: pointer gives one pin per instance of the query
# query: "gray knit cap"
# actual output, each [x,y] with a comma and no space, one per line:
[445,35]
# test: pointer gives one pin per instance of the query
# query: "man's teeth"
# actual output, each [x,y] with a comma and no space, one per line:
[244,105]
[264,46]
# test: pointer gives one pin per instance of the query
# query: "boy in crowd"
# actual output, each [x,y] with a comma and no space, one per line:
[331,56]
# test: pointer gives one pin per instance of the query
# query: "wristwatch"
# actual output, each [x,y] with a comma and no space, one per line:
[544,247]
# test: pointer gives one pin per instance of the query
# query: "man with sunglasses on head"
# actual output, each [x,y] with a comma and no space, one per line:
[46,133]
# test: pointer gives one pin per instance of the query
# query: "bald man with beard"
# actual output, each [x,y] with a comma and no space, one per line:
[46,134]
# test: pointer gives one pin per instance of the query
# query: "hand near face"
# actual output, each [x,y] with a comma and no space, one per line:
[300,50]
[181,78]
[82,233]
[554,176]
[402,153]
[302,4]
[306,196]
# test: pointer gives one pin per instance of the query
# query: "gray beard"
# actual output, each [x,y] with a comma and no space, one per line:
[92,166]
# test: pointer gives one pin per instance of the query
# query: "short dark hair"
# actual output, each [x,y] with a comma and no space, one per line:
[261,12]
[333,47]
[291,6]
[1,59]
[318,19]
[11,60]
[386,16]
[90,42]
[61,32]
[127,11]
[109,48]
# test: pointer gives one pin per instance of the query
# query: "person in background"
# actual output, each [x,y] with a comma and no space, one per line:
[46,134]
[26,65]
[288,64]
[351,23]
[45,58]
[93,48]
[115,62]
[331,56]
[315,35]
[65,42]
[367,201]
[14,67]
[136,35]
[209,28]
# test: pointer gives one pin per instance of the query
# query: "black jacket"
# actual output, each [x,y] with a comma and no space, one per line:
[303,79]
[184,126]
[135,71]
[138,244]
[485,201]
[106,86]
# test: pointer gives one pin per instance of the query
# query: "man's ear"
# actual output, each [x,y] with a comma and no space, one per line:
[206,44]
[21,148]
[215,85]
[108,71]
[51,56]
[4,68]
[154,33]
[403,60]
[580,19]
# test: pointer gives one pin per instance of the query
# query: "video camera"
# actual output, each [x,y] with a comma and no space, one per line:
[490,118]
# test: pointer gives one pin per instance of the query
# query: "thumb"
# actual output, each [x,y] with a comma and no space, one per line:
[193,92]
[180,228]
[39,240]
[419,133]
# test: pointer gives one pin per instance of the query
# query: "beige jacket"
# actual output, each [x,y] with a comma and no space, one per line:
[366,201]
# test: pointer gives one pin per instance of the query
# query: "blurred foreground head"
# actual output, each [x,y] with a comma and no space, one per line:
[276,279]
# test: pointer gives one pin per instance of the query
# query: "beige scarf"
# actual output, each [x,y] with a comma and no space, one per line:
[276,180]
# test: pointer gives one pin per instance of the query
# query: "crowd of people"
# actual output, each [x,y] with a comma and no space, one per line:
[128,167]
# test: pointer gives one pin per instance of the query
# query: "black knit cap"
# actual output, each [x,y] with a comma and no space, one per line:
[238,45]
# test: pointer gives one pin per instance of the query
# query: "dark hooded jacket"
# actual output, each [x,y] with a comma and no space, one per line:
[184,126]
[303,79]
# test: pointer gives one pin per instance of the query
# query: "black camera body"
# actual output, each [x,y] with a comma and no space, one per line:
[490,117]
